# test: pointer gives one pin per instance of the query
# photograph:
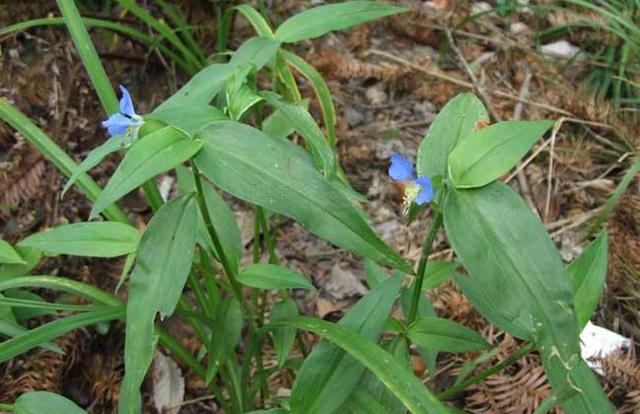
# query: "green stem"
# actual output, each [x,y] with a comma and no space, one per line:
[6,407]
[422,266]
[271,247]
[199,294]
[456,389]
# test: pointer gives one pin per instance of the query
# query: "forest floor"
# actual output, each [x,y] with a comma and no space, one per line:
[389,79]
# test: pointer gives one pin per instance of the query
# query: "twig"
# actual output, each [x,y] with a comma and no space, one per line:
[437,74]
[554,133]
[476,85]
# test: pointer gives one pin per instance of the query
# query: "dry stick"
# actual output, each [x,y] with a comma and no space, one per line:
[517,115]
[476,85]
[554,133]
[468,85]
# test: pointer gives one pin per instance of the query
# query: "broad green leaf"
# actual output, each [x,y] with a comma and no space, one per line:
[52,330]
[375,388]
[588,272]
[328,375]
[361,402]
[492,151]
[446,336]
[306,126]
[409,389]
[375,273]
[206,84]
[31,257]
[269,172]
[148,157]
[44,402]
[241,101]
[189,117]
[225,336]
[97,239]
[321,90]
[283,338]
[277,125]
[452,125]
[162,266]
[437,273]
[505,248]
[321,20]
[9,255]
[270,276]
[94,158]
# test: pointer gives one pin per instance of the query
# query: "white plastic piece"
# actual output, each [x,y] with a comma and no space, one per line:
[597,341]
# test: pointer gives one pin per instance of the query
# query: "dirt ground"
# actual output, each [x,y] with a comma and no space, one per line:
[389,79]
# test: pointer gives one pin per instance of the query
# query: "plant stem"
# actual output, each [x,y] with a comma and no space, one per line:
[7,407]
[271,247]
[422,266]
[456,389]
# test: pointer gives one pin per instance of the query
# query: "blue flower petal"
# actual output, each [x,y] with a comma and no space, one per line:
[117,124]
[426,190]
[401,169]
[126,104]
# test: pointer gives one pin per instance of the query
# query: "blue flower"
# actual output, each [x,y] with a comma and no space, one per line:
[418,190]
[125,121]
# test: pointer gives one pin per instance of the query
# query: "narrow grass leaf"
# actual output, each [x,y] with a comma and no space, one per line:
[52,330]
[270,276]
[588,272]
[224,337]
[11,329]
[283,338]
[148,157]
[321,20]
[408,388]
[98,239]
[492,151]
[329,374]
[270,172]
[162,266]
[94,158]
[62,284]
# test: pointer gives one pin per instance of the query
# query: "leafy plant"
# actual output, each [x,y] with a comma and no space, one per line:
[214,133]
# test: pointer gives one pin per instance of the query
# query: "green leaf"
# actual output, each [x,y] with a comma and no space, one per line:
[241,101]
[270,276]
[94,158]
[30,256]
[409,389]
[452,125]
[206,84]
[437,273]
[492,151]
[62,284]
[283,338]
[328,375]
[225,336]
[11,329]
[306,126]
[9,255]
[44,402]
[425,308]
[322,91]
[505,248]
[375,274]
[148,157]
[321,20]
[23,314]
[361,402]
[189,117]
[276,125]
[258,22]
[52,330]
[162,266]
[444,335]
[269,172]
[98,239]
[588,272]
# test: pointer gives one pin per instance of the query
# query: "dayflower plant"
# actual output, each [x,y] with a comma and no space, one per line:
[418,190]
[126,121]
